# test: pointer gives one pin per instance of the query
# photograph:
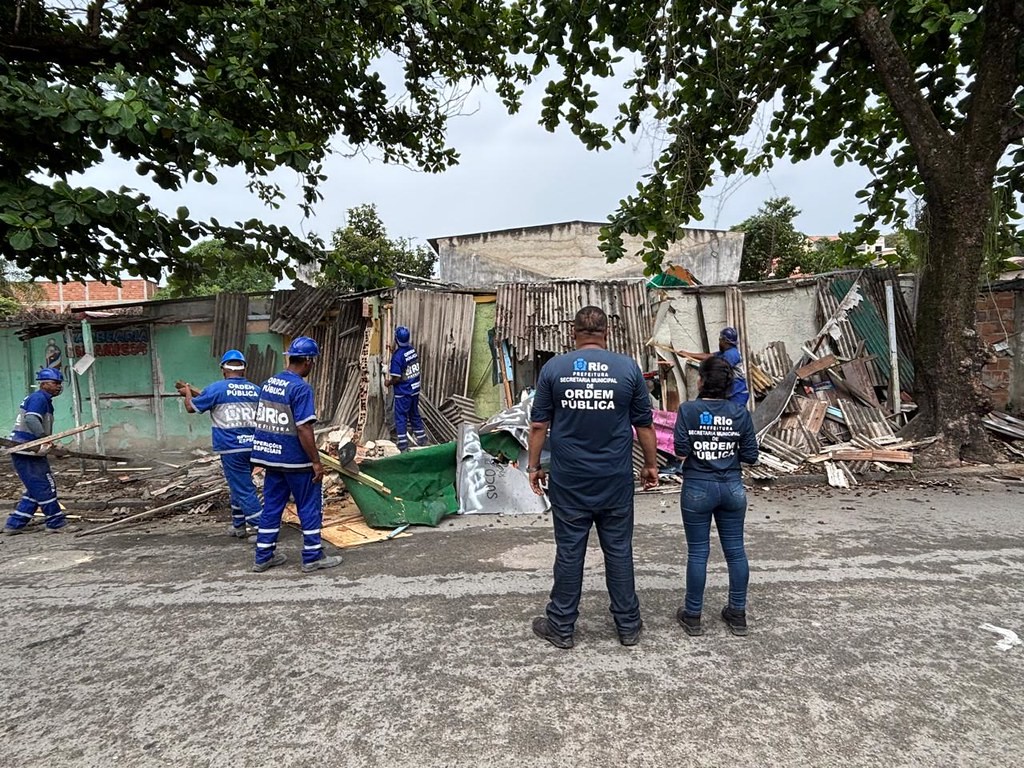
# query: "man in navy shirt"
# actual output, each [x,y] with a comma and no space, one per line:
[728,341]
[285,446]
[35,420]
[404,376]
[231,403]
[592,400]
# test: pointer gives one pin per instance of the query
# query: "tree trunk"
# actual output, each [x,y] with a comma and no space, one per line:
[949,354]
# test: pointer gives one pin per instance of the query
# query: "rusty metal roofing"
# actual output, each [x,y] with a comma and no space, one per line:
[538,316]
[230,322]
[295,312]
[442,333]
[337,372]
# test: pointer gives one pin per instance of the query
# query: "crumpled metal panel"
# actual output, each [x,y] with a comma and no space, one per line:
[536,317]
[302,308]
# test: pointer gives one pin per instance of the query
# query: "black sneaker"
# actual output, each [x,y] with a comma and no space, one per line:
[691,624]
[542,628]
[737,620]
[631,638]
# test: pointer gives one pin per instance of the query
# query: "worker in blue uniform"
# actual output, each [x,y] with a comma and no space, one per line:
[728,343]
[35,420]
[404,376]
[231,403]
[284,445]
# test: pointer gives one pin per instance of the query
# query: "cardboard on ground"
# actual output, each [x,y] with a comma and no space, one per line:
[343,526]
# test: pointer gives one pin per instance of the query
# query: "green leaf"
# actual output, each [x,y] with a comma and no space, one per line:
[20,239]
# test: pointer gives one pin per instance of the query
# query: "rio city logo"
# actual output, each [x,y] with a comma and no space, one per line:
[579,364]
[705,418]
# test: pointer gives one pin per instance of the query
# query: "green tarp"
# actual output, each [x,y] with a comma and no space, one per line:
[422,483]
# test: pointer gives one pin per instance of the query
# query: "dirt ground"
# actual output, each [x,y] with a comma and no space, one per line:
[156,646]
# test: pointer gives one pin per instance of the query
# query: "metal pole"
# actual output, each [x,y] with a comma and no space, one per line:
[894,358]
[94,401]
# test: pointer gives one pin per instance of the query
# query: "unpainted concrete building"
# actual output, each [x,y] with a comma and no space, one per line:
[569,250]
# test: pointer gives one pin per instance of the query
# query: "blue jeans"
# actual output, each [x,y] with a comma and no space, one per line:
[726,502]
[245,504]
[40,493]
[615,532]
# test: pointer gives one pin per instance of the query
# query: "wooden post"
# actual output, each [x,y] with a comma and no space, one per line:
[94,402]
[894,357]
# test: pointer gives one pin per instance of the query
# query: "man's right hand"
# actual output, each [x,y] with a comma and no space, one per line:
[318,472]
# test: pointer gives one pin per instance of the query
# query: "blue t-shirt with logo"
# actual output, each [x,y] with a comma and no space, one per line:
[714,436]
[406,364]
[286,402]
[592,399]
[38,403]
[232,406]
[738,390]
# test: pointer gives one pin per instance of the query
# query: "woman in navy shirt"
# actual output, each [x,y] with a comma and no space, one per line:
[712,436]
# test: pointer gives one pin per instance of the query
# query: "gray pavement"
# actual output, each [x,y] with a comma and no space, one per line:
[157,646]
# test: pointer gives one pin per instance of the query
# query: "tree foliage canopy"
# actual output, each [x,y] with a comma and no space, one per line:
[772,246]
[184,88]
[363,257]
[213,267]
[901,88]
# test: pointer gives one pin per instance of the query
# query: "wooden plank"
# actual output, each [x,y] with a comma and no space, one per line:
[815,366]
[46,440]
[846,454]
[361,477]
[148,513]
[67,452]
[344,526]
[858,381]
[812,413]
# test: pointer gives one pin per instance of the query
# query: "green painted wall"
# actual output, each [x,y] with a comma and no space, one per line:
[489,398]
[124,382]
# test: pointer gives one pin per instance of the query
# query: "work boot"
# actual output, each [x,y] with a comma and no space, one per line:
[323,562]
[9,531]
[631,638]
[277,559]
[64,529]
[542,628]
[239,533]
[690,623]
[737,620]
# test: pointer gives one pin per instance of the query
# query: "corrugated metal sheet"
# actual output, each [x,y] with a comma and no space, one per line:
[867,422]
[538,316]
[442,333]
[230,322]
[341,352]
[303,308]
[869,323]
[774,360]
[874,281]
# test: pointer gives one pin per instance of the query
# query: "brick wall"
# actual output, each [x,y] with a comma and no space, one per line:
[92,293]
[994,317]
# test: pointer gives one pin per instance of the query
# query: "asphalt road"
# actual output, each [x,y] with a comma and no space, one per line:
[158,647]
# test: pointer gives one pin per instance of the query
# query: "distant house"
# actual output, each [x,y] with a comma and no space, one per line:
[569,250]
[93,293]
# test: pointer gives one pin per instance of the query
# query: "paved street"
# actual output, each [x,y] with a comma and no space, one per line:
[158,647]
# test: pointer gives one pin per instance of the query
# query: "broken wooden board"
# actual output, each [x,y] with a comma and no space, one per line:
[893,457]
[344,526]
[812,413]
[49,439]
[839,476]
[815,366]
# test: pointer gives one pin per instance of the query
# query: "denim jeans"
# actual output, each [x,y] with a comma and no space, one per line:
[615,532]
[726,502]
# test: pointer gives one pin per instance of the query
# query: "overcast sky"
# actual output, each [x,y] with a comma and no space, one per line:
[512,173]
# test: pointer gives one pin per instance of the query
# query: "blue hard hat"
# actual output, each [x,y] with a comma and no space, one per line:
[402,335]
[729,335]
[49,374]
[303,346]
[232,356]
